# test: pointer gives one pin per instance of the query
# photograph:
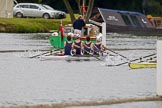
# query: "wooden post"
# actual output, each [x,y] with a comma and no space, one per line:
[103,30]
[159,68]
[104,33]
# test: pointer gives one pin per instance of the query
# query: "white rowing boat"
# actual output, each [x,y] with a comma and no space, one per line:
[71,58]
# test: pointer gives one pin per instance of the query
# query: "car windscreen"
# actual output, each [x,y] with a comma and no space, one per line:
[42,7]
[47,7]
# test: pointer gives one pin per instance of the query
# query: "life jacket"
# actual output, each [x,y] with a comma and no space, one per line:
[67,48]
[78,50]
[87,50]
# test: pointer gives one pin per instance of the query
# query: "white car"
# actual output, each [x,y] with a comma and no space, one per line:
[60,14]
[36,10]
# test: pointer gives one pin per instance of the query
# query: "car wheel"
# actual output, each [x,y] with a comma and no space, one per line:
[46,16]
[19,15]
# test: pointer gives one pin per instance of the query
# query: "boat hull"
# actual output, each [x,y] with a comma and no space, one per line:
[69,58]
[133,30]
[142,65]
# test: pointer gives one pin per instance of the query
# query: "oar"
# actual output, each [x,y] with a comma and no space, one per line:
[44,53]
[98,50]
[92,55]
[147,60]
[135,59]
[55,52]
[117,53]
[105,48]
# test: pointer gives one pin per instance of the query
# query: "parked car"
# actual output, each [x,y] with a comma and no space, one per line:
[36,10]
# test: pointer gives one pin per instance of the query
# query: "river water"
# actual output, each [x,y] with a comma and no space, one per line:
[26,81]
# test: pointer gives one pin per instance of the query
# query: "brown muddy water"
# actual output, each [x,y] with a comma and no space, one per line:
[26,81]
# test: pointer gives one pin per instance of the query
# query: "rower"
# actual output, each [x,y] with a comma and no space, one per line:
[77,46]
[87,46]
[68,45]
[98,47]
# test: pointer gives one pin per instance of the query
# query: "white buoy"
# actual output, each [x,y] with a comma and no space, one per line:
[159,68]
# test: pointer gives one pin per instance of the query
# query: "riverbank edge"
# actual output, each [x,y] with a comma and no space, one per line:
[93,102]
[30,25]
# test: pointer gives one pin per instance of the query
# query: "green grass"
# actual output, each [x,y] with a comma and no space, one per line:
[31,25]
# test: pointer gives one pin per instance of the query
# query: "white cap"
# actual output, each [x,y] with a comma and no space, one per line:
[77,35]
[99,37]
[70,34]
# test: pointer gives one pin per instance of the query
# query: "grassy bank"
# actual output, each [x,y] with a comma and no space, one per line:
[30,25]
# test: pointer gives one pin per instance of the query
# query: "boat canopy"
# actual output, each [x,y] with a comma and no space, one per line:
[120,18]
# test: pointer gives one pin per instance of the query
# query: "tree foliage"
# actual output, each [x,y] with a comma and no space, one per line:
[68,6]
[153,7]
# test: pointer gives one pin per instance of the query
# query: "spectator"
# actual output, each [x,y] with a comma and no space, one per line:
[78,25]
